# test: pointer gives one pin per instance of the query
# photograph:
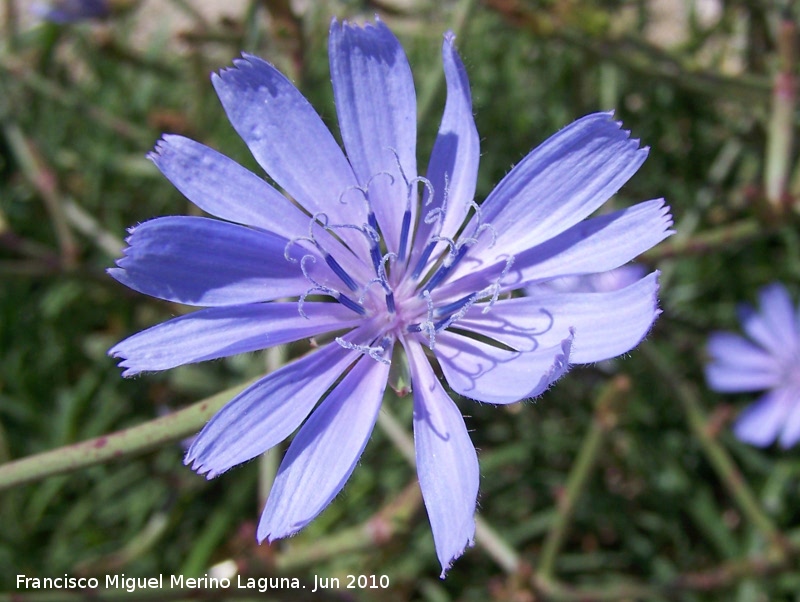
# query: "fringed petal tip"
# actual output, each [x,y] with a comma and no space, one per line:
[161,147]
[344,24]
[192,461]
[448,564]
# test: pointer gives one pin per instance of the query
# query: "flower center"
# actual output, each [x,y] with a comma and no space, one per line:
[396,288]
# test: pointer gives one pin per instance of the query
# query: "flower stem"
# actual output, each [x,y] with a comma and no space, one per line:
[44,181]
[708,241]
[604,419]
[122,444]
[780,131]
[722,463]
[377,531]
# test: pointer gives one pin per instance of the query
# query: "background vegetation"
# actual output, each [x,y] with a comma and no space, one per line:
[621,483]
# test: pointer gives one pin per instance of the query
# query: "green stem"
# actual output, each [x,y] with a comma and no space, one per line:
[379,530]
[708,241]
[604,418]
[717,455]
[21,72]
[780,131]
[122,444]
[44,181]
[490,540]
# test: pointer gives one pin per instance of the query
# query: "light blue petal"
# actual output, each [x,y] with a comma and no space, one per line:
[225,189]
[790,434]
[222,331]
[760,423]
[267,412]
[447,464]
[557,185]
[325,451]
[773,326]
[496,375]
[453,166]
[289,140]
[377,109]
[206,262]
[590,247]
[606,324]
[737,365]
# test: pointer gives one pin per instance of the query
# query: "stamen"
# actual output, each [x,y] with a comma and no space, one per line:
[343,299]
[399,166]
[383,280]
[442,324]
[454,306]
[376,353]
[339,271]
[292,242]
[390,303]
[444,270]
[423,259]
[350,304]
[428,325]
[496,287]
[404,234]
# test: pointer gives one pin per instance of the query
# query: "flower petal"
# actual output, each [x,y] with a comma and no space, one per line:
[202,261]
[606,324]
[288,139]
[760,423]
[790,434]
[739,366]
[225,189]
[557,185]
[453,166]
[223,331]
[590,247]
[377,109]
[774,326]
[325,451]
[495,375]
[447,464]
[268,411]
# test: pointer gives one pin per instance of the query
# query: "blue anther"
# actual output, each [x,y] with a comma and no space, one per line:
[401,256]
[339,271]
[451,308]
[423,259]
[443,271]
[350,304]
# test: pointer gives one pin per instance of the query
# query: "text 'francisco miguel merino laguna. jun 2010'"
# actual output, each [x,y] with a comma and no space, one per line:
[260,584]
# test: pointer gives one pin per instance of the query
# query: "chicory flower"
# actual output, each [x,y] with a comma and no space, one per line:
[390,266]
[767,360]
[72,11]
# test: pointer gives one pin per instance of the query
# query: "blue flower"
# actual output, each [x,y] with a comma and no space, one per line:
[72,11]
[382,265]
[769,360]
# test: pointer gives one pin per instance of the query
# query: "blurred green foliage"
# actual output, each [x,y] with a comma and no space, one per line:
[81,105]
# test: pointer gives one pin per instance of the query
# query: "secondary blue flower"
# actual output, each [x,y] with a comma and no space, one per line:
[71,11]
[769,360]
[382,265]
